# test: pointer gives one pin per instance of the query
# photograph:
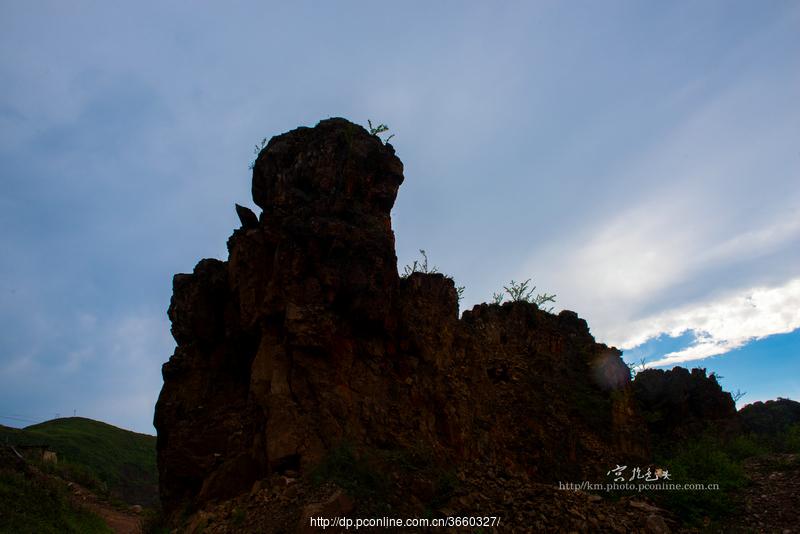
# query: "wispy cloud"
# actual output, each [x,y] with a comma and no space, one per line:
[706,235]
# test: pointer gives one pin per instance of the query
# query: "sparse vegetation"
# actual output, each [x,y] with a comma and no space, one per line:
[343,466]
[238,516]
[379,129]
[422,266]
[637,367]
[75,473]
[419,266]
[792,439]
[738,395]
[368,474]
[256,151]
[523,292]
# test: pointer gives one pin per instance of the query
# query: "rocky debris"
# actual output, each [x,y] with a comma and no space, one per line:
[534,507]
[337,505]
[642,505]
[770,502]
[770,417]
[273,506]
[678,403]
[307,338]
[655,524]
[520,505]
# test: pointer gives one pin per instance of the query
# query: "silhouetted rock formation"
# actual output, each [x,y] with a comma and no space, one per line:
[246,217]
[678,404]
[770,417]
[307,338]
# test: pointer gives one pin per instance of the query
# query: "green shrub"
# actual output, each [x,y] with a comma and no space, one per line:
[522,292]
[238,516]
[704,461]
[379,129]
[791,439]
[746,446]
[710,460]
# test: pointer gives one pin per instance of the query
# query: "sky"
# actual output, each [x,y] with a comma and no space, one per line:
[641,160]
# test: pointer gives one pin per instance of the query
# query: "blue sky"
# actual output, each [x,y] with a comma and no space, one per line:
[639,159]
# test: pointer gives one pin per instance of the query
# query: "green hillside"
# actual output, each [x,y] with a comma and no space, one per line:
[35,504]
[125,461]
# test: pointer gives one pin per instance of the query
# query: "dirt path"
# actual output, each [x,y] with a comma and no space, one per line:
[119,521]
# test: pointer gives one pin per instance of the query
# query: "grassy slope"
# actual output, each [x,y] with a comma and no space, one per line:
[41,506]
[124,460]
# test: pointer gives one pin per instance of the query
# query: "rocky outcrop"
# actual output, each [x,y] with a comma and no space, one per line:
[679,403]
[770,417]
[307,338]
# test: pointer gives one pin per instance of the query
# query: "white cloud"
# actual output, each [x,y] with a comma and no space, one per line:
[636,260]
[723,324]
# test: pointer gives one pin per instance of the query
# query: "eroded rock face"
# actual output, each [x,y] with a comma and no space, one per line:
[678,403]
[307,337]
